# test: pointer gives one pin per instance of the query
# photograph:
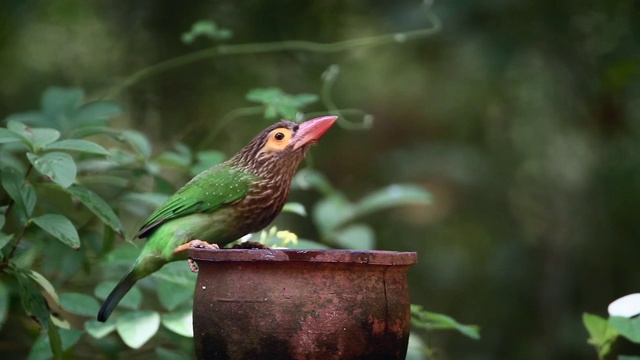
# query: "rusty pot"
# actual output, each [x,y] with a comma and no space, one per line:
[301,304]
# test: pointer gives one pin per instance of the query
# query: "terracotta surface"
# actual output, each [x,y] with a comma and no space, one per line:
[301,304]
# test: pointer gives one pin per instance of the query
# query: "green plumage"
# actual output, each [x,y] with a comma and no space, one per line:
[213,188]
[223,203]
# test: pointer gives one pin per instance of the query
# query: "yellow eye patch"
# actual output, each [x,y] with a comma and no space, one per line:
[277,140]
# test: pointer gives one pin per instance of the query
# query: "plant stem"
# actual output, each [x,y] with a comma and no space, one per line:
[330,76]
[5,263]
[254,48]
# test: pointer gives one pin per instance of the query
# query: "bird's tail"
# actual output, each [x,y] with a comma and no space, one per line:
[116,295]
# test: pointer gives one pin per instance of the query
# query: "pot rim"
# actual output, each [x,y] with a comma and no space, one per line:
[373,257]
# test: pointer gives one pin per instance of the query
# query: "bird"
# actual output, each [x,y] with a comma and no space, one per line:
[223,203]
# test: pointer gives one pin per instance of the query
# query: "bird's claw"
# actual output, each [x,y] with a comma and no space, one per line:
[199,244]
[192,265]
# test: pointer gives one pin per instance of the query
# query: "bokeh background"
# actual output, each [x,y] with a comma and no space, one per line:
[522,118]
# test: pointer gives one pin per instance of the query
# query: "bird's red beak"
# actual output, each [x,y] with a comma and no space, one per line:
[312,130]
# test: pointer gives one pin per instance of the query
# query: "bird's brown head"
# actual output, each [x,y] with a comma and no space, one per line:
[279,149]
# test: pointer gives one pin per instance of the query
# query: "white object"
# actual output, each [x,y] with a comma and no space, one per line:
[627,306]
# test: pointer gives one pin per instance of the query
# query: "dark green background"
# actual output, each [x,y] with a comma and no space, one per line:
[521,117]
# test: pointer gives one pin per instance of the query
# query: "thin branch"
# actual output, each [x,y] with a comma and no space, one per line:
[15,245]
[4,264]
[270,47]
[329,77]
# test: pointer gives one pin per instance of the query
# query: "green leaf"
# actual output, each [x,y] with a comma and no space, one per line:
[98,330]
[23,194]
[180,322]
[206,28]
[94,113]
[138,141]
[4,303]
[77,145]
[626,357]
[171,295]
[86,131]
[311,179]
[33,302]
[63,262]
[102,179]
[57,166]
[172,158]
[601,333]
[205,160]
[19,129]
[80,304]
[4,240]
[122,158]
[392,196]
[43,137]
[7,136]
[44,284]
[57,101]
[332,212]
[26,258]
[131,301]
[97,206]
[34,118]
[175,273]
[35,138]
[277,103]
[60,227]
[122,256]
[356,236]
[627,327]
[295,208]
[143,204]
[42,348]
[175,285]
[434,321]
[136,328]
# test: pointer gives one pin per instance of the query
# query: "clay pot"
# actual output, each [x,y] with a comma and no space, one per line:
[301,304]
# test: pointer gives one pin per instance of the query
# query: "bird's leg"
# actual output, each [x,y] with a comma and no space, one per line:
[196,243]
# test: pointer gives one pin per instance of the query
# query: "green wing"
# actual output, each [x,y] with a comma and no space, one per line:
[209,190]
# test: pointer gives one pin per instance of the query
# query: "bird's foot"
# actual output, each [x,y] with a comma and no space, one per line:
[201,244]
[249,245]
[197,244]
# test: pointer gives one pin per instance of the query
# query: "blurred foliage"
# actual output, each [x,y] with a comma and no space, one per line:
[604,335]
[50,151]
[207,29]
[58,160]
[521,118]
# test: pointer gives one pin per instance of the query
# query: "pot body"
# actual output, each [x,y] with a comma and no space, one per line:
[301,304]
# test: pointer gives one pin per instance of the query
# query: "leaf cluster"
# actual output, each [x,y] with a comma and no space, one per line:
[603,333]
[68,178]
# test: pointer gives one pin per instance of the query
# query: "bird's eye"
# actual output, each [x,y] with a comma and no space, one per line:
[279,136]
